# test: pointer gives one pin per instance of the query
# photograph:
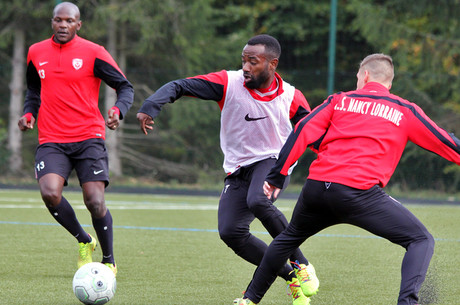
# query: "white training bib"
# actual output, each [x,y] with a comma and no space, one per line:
[252,130]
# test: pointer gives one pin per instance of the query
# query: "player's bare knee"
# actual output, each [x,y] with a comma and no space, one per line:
[51,198]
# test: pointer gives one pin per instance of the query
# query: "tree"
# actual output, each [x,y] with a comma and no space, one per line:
[167,40]
[15,18]
[112,139]
[164,40]
[15,111]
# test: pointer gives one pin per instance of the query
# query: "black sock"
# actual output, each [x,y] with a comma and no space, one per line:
[291,276]
[65,215]
[287,273]
[104,231]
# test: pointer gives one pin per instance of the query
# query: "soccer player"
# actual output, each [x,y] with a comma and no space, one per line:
[257,110]
[64,74]
[359,136]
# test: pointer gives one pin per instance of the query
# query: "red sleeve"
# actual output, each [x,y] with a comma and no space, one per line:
[220,78]
[299,107]
[299,100]
[425,133]
[307,132]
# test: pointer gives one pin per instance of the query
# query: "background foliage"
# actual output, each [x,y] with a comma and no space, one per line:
[169,39]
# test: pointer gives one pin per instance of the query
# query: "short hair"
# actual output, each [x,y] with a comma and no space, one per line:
[69,4]
[380,67]
[272,46]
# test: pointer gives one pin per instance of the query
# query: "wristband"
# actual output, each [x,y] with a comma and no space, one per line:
[115,110]
[28,116]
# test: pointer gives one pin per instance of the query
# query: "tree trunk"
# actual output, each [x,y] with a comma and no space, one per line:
[15,111]
[112,137]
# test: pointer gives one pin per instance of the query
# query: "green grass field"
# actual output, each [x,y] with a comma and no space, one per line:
[169,253]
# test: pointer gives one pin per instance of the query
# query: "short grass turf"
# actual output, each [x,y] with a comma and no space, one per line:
[169,253]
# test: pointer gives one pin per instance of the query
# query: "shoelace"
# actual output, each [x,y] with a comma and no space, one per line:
[302,272]
[294,290]
[83,251]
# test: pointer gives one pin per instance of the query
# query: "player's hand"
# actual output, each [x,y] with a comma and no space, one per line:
[113,120]
[26,122]
[145,121]
[270,190]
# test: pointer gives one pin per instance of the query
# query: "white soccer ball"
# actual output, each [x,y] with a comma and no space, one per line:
[94,283]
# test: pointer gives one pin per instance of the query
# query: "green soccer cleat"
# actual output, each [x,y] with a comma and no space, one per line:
[242,301]
[112,267]
[85,252]
[298,298]
[306,275]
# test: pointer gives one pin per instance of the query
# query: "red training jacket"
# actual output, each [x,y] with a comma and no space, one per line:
[360,136]
[63,82]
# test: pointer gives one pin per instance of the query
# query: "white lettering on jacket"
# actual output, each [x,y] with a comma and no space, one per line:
[370,108]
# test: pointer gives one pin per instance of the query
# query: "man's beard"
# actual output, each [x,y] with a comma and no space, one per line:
[256,82]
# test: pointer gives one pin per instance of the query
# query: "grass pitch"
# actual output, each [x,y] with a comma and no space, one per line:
[169,253]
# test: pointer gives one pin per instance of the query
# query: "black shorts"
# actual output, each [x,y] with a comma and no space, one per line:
[89,158]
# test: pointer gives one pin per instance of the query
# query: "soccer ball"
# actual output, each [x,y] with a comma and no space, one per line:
[94,283]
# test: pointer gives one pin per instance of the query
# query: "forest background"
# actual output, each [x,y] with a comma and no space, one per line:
[157,41]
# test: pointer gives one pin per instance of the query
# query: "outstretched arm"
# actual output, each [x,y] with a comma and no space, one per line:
[427,134]
[207,87]
[174,90]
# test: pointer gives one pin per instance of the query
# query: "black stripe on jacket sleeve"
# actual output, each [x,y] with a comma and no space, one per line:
[300,114]
[115,79]
[32,100]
